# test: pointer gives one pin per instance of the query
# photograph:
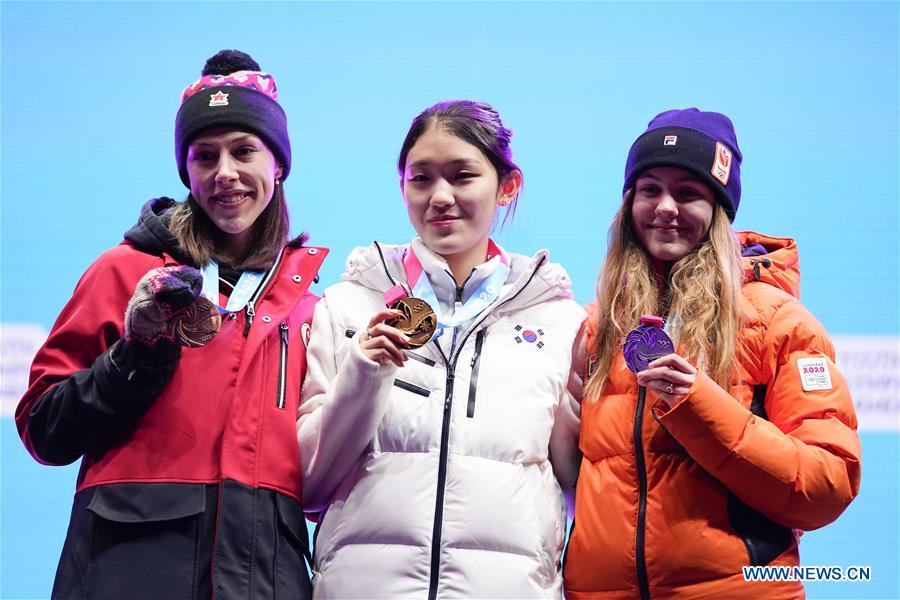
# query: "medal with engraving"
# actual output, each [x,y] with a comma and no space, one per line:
[195,324]
[646,343]
[417,320]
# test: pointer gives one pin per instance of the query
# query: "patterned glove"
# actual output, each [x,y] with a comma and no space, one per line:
[159,294]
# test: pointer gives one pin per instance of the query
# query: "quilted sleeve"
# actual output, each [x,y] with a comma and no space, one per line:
[564,453]
[800,466]
[341,406]
[85,381]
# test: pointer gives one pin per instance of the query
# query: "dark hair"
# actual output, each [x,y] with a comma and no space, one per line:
[477,123]
[200,239]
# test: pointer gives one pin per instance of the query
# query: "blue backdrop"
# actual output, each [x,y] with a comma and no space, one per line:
[90,90]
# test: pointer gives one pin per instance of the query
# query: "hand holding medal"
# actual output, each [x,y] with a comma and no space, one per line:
[416,319]
[383,343]
[167,305]
[650,353]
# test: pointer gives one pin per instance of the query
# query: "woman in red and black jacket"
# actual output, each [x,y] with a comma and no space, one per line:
[189,484]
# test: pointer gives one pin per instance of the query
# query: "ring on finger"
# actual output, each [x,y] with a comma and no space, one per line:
[369,334]
[669,389]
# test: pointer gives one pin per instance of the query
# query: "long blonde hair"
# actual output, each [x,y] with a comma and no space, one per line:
[700,298]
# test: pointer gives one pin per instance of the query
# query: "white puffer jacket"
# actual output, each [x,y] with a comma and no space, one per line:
[435,479]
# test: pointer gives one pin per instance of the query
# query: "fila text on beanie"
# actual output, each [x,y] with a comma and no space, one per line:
[703,143]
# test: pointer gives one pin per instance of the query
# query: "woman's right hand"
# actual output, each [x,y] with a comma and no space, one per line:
[382,343]
[159,294]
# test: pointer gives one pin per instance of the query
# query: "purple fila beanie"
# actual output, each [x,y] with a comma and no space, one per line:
[703,143]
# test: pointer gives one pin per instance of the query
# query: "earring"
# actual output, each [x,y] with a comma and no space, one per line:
[277,182]
[502,202]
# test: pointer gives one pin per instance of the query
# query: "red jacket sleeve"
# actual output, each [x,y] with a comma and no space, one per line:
[86,382]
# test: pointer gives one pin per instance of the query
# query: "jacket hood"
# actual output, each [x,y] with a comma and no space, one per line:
[531,280]
[151,233]
[777,262]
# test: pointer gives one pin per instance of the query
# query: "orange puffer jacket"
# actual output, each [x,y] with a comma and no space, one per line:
[672,503]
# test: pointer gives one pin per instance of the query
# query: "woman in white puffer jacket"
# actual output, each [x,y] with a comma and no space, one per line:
[438,469]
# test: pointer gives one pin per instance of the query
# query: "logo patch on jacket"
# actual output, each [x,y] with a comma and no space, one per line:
[305,331]
[522,334]
[814,374]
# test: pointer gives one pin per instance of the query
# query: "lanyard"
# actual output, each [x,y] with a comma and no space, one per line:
[242,292]
[483,296]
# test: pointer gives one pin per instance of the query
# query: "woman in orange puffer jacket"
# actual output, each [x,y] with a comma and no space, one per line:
[743,437]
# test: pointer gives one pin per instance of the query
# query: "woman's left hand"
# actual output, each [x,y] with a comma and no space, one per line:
[670,377]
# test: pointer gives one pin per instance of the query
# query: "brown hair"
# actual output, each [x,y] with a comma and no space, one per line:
[201,240]
[701,298]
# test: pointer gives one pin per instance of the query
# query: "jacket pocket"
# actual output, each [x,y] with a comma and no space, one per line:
[764,539]
[291,551]
[144,540]
[282,364]
[473,379]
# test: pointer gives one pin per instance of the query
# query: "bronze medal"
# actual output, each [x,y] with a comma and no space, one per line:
[418,321]
[195,324]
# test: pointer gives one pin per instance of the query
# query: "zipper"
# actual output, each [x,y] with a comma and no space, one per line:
[411,387]
[442,483]
[251,305]
[453,341]
[445,442]
[251,312]
[282,364]
[751,551]
[643,583]
[473,381]
[460,288]
[418,357]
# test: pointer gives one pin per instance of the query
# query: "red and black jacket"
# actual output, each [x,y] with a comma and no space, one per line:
[201,440]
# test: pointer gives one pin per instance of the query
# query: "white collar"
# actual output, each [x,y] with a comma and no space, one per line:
[441,278]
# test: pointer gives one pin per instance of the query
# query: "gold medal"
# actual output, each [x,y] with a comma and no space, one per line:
[195,324]
[417,321]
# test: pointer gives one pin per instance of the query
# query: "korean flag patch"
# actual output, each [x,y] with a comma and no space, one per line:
[522,334]
[814,374]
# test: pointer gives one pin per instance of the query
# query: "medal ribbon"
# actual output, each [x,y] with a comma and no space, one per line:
[242,292]
[483,296]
